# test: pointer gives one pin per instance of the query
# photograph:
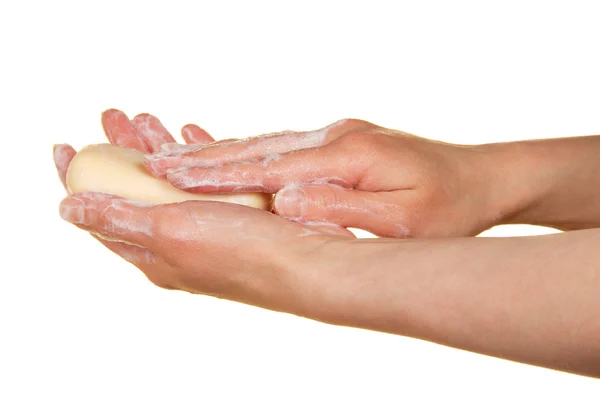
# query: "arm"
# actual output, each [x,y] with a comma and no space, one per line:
[532,299]
[551,182]
[393,184]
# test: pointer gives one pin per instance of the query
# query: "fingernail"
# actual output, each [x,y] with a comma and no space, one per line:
[179,178]
[155,166]
[72,210]
[290,202]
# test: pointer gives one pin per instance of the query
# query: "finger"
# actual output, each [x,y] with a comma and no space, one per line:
[169,149]
[243,149]
[151,131]
[324,228]
[120,131]
[111,217]
[63,154]
[272,173]
[373,212]
[138,256]
[193,134]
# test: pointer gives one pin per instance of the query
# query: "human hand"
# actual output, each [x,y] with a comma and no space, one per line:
[213,248]
[144,133]
[351,173]
[177,245]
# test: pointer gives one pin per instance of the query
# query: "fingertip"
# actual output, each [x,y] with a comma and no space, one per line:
[63,154]
[61,149]
[121,131]
[193,133]
[109,119]
[151,131]
[148,120]
[109,113]
[177,179]
[191,179]
[71,209]
[290,202]
[140,119]
[109,215]
[154,166]
[187,132]
[143,115]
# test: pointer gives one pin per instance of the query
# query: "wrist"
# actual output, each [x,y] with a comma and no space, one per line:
[305,278]
[512,179]
[315,279]
[356,284]
[544,182]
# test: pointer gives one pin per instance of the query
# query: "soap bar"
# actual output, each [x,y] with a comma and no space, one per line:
[110,169]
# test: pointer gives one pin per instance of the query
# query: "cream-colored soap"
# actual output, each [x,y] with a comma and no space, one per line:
[111,169]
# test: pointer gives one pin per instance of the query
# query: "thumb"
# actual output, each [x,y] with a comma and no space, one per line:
[344,207]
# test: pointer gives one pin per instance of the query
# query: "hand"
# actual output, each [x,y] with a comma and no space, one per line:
[351,173]
[213,248]
[144,133]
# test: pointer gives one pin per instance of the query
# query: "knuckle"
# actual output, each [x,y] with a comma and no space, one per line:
[359,142]
[328,196]
[352,139]
[329,202]
[106,218]
[353,123]
[424,217]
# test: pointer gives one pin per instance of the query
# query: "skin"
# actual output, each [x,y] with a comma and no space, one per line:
[145,133]
[344,178]
[395,184]
[528,299]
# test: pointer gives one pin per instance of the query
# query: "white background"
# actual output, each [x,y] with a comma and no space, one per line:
[81,330]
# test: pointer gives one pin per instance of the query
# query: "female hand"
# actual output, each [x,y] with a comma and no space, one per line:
[144,133]
[351,173]
[213,248]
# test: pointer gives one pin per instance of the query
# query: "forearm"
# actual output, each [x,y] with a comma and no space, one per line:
[552,182]
[532,299]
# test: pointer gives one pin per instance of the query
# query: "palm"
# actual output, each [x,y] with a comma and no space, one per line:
[145,133]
